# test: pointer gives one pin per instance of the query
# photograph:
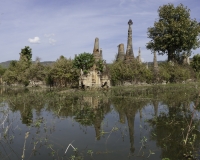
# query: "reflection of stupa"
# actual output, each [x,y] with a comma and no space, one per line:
[131,119]
[98,108]
[155,105]
[127,110]
[122,117]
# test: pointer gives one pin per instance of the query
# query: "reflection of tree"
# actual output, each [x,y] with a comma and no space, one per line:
[129,108]
[170,128]
[27,116]
[24,102]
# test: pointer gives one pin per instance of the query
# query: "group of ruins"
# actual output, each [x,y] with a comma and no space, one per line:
[96,79]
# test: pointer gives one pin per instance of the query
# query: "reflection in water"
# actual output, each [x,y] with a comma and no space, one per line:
[92,112]
[128,109]
[155,106]
[54,121]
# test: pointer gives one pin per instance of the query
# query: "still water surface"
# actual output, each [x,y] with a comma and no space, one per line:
[42,126]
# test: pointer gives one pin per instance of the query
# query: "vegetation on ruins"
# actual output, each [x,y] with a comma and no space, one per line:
[84,61]
[175,33]
[129,72]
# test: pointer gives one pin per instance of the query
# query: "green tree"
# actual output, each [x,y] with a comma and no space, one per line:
[18,70]
[36,71]
[84,61]
[26,54]
[63,72]
[131,72]
[196,63]
[174,32]
[174,72]
[10,75]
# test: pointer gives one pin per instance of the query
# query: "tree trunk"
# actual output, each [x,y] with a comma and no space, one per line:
[171,56]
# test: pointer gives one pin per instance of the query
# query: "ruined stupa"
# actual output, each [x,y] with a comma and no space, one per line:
[129,51]
[95,78]
[121,54]
[139,56]
[97,53]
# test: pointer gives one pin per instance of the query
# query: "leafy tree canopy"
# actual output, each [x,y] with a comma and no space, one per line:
[174,32]
[84,61]
[196,63]
[26,54]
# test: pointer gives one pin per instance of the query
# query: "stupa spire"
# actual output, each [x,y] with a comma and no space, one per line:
[129,50]
[96,52]
[120,55]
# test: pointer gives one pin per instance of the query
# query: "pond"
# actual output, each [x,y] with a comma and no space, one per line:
[154,123]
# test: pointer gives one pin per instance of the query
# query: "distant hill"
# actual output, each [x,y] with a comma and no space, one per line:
[7,63]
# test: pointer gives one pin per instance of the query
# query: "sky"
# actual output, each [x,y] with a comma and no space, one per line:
[67,27]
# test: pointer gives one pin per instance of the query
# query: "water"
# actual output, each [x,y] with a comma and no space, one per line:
[41,125]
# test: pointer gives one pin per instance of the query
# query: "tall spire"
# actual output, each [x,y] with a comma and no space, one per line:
[96,45]
[96,52]
[155,63]
[129,50]
[120,55]
[139,56]
[155,68]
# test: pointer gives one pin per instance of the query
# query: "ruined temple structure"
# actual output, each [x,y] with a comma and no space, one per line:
[139,56]
[155,63]
[155,68]
[97,53]
[129,51]
[95,78]
[186,59]
[121,53]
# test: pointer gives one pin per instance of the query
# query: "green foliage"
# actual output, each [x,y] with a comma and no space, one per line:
[49,80]
[26,54]
[173,72]
[36,72]
[99,65]
[132,72]
[10,76]
[84,61]
[174,32]
[18,70]
[62,73]
[196,63]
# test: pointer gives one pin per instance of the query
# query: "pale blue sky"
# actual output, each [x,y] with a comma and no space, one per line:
[68,27]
